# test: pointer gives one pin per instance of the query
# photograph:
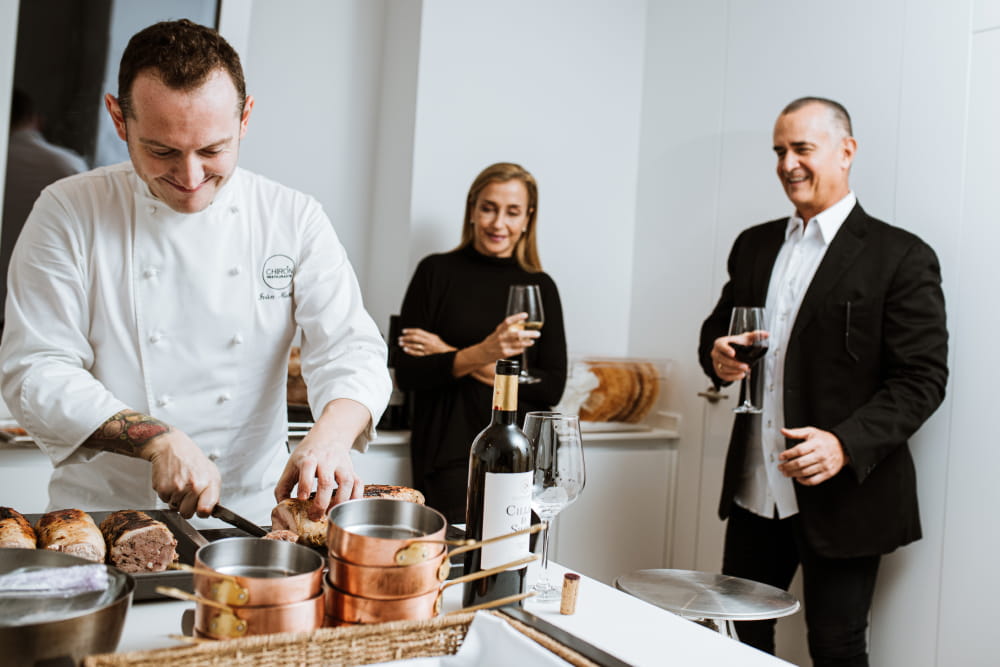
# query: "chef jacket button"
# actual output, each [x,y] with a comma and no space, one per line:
[237,339]
[234,210]
[164,401]
[151,209]
[235,271]
[225,396]
[155,337]
[150,272]
[213,456]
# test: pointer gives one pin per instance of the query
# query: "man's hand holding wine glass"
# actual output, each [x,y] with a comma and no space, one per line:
[727,366]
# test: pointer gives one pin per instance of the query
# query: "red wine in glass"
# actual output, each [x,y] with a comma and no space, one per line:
[749,354]
[752,321]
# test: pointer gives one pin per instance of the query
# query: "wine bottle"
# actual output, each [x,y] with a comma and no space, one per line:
[501,470]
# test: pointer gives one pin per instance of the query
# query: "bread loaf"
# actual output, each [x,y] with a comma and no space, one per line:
[71,531]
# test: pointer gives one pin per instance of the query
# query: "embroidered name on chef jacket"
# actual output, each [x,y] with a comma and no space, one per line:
[277,274]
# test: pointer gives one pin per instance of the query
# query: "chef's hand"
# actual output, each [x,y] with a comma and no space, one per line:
[182,475]
[816,459]
[724,361]
[323,459]
[417,343]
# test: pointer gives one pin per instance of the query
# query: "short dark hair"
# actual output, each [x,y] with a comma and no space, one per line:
[837,110]
[182,54]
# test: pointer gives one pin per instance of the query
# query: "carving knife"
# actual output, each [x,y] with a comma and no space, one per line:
[234,519]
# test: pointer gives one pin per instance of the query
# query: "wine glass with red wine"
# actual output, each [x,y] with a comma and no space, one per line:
[750,321]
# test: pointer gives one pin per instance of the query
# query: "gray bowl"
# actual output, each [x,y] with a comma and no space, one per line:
[91,630]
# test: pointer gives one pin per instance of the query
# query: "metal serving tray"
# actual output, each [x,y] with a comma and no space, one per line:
[188,542]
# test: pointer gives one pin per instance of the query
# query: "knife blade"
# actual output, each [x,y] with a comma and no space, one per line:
[234,519]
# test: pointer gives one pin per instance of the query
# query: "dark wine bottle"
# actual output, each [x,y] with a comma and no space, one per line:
[499,497]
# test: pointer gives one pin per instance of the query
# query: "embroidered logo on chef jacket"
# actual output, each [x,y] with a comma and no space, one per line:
[277,274]
[278,271]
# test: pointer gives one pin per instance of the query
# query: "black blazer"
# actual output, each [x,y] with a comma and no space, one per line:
[867,360]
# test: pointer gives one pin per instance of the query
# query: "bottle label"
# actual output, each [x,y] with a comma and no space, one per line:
[506,509]
[505,392]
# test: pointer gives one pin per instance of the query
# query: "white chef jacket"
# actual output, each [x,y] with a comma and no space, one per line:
[763,489]
[116,301]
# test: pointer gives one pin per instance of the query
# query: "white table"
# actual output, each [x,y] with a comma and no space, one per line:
[624,626]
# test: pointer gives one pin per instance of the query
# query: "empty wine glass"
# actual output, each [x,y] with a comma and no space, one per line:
[750,321]
[559,477]
[526,299]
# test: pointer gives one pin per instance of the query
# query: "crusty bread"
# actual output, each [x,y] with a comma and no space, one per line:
[626,391]
[71,531]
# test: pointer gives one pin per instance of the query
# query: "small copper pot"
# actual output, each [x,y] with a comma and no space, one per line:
[389,582]
[350,608]
[219,621]
[247,571]
[375,531]
[386,582]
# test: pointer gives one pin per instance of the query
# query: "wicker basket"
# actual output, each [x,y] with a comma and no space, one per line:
[332,647]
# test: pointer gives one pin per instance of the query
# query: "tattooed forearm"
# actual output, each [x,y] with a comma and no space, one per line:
[125,432]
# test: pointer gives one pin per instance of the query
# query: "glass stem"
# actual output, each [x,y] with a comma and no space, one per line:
[524,365]
[543,575]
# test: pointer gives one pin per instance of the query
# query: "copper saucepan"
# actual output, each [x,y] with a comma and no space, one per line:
[349,608]
[384,531]
[220,621]
[247,571]
[386,582]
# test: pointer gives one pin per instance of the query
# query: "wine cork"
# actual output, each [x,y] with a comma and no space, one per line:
[571,583]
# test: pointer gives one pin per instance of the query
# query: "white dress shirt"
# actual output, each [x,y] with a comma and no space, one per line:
[763,488]
[116,301]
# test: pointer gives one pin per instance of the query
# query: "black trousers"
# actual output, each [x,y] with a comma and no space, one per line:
[837,591]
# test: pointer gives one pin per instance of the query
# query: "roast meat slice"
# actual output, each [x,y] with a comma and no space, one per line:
[293,514]
[137,542]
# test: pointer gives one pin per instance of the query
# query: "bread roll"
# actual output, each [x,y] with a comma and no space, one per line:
[73,532]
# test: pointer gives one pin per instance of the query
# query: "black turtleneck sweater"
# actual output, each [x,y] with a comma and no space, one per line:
[462,296]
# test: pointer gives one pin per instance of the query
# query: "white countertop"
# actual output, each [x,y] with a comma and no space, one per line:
[626,627]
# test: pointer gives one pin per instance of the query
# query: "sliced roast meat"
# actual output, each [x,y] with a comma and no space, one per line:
[15,531]
[293,514]
[137,542]
[71,531]
[282,536]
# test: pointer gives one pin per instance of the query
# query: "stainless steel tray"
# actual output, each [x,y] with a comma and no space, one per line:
[188,542]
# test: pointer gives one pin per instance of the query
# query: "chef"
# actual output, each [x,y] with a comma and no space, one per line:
[152,306]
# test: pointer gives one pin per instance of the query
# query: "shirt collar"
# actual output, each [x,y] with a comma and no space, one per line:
[829,221]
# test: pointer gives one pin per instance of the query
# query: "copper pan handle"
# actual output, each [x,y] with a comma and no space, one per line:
[493,570]
[476,545]
[178,594]
[492,603]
